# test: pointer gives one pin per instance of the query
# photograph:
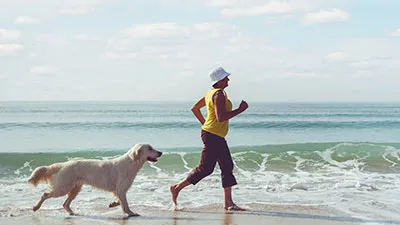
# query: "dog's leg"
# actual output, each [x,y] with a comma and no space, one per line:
[122,188]
[124,204]
[42,199]
[56,192]
[71,196]
[114,203]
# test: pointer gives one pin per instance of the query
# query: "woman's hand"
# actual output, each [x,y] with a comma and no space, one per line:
[243,106]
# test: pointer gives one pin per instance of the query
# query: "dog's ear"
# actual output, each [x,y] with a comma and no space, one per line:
[136,152]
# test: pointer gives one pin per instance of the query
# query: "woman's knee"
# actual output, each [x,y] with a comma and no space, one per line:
[202,171]
[207,170]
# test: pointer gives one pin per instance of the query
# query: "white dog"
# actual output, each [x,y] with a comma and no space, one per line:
[114,175]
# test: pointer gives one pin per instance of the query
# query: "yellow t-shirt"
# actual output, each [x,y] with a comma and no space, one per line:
[211,124]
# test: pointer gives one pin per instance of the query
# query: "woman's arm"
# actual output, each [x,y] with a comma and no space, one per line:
[220,109]
[196,110]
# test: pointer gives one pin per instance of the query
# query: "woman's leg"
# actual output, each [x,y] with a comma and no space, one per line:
[205,167]
[228,197]
[228,202]
[176,188]
[225,163]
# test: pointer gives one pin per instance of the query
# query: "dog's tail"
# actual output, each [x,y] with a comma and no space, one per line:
[44,173]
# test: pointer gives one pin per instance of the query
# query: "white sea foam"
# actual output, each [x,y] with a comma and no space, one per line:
[372,196]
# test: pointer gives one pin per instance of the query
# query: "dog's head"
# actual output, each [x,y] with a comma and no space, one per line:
[144,152]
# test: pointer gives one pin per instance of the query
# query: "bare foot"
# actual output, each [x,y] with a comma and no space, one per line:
[234,208]
[73,214]
[132,214]
[174,194]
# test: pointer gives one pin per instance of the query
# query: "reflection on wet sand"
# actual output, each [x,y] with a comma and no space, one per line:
[227,218]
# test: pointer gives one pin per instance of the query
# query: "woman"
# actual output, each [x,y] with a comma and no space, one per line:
[214,129]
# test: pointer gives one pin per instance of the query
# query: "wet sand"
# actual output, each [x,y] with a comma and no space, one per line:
[207,215]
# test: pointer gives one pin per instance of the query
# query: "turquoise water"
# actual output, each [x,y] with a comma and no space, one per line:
[109,126]
[344,155]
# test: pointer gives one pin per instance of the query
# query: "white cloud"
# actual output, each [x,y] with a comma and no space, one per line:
[336,15]
[25,20]
[336,56]
[9,35]
[10,49]
[3,76]
[153,40]
[42,70]
[377,58]
[396,33]
[173,30]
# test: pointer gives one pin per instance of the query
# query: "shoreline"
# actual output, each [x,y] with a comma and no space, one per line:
[210,215]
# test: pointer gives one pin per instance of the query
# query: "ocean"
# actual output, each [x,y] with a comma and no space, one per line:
[344,156]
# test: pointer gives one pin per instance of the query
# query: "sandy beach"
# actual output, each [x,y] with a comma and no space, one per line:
[210,215]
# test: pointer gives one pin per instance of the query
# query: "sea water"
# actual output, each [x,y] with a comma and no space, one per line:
[341,155]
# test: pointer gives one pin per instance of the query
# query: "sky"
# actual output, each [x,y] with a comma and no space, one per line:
[163,50]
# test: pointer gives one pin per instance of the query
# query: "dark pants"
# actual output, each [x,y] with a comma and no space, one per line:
[215,150]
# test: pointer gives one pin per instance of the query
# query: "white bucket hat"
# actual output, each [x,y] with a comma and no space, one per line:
[218,74]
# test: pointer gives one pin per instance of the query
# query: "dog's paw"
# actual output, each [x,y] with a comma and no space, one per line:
[113,204]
